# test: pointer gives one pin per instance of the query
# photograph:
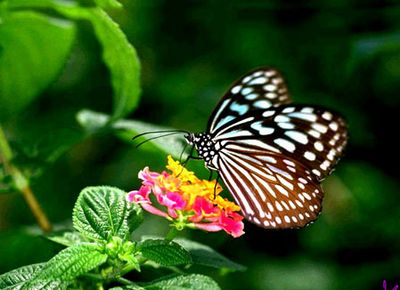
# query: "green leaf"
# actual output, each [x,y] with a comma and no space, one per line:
[118,54]
[19,276]
[33,50]
[206,256]
[126,129]
[102,212]
[69,264]
[66,238]
[184,282]
[122,60]
[181,282]
[165,253]
[108,3]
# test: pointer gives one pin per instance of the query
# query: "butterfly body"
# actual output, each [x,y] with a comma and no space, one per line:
[271,154]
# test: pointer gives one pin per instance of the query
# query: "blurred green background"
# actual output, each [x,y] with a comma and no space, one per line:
[341,54]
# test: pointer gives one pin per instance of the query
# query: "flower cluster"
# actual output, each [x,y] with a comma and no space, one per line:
[186,200]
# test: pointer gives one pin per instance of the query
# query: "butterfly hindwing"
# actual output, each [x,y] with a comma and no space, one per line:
[273,191]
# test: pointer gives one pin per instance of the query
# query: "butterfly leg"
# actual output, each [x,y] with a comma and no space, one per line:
[190,156]
[215,186]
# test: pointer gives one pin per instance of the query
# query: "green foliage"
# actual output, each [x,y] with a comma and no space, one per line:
[28,34]
[125,129]
[102,212]
[69,264]
[182,282]
[102,215]
[18,277]
[207,256]
[165,253]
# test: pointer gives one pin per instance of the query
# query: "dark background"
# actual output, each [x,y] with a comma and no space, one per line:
[341,54]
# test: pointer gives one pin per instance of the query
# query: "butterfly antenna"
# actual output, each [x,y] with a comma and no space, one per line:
[147,140]
[160,131]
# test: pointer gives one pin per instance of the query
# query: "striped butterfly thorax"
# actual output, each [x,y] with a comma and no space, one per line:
[271,154]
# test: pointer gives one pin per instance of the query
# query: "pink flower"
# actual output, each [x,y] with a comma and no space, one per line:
[186,200]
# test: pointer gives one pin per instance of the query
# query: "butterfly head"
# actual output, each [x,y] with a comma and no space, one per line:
[190,138]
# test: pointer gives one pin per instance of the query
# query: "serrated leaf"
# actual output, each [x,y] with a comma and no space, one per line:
[184,282]
[44,285]
[165,253]
[127,287]
[17,277]
[69,264]
[206,256]
[34,49]
[102,212]
[126,129]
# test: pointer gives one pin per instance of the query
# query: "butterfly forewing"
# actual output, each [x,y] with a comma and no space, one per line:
[261,88]
[272,155]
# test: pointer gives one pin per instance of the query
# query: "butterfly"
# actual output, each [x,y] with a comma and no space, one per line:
[271,154]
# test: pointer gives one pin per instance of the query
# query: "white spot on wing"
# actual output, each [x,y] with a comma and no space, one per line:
[246,91]
[236,89]
[318,146]
[261,129]
[288,110]
[270,88]
[258,81]
[268,113]
[320,128]
[262,104]
[309,155]
[327,116]
[281,118]
[303,116]
[271,96]
[297,136]
[239,108]
[251,97]
[334,126]
[285,144]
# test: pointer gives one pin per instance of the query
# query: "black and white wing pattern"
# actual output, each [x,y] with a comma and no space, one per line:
[271,154]
[259,89]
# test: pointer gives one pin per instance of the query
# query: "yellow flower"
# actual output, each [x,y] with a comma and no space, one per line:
[179,171]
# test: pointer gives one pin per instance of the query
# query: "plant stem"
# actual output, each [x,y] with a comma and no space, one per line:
[22,184]
[171,234]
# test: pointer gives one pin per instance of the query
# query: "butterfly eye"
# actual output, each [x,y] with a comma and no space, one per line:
[271,155]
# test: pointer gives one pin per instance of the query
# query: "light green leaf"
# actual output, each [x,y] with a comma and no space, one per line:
[165,253]
[206,256]
[102,212]
[108,3]
[66,238]
[184,282]
[34,49]
[126,129]
[69,264]
[16,278]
